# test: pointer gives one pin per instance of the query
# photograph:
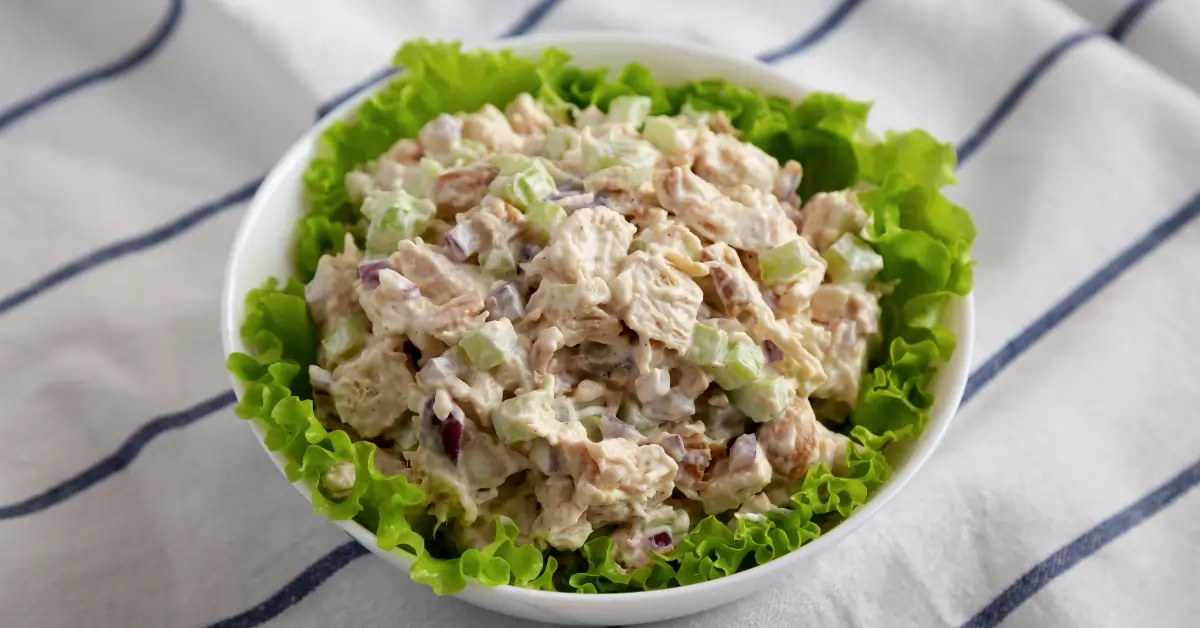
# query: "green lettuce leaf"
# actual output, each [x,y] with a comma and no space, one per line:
[924,239]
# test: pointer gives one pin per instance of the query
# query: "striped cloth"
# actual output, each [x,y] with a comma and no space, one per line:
[131,139]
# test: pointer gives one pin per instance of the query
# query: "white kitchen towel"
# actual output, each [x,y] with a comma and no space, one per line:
[133,132]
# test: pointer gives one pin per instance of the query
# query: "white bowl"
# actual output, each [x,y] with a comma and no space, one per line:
[263,245]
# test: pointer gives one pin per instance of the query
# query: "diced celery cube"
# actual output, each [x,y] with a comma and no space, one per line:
[559,140]
[524,186]
[631,110]
[786,261]
[763,399]
[851,259]
[466,152]
[708,346]
[743,362]
[667,135]
[491,344]
[524,417]
[347,338]
[601,154]
[395,215]
[511,163]
[419,179]
[694,116]
[499,262]
[544,216]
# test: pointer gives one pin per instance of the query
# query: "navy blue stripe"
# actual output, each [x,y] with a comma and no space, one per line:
[1087,544]
[1094,284]
[134,58]
[333,103]
[993,120]
[1128,18]
[531,17]
[119,459]
[814,35]
[127,246]
[298,588]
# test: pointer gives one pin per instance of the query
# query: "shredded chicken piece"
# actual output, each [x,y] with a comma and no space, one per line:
[753,221]
[657,300]
[371,392]
[331,295]
[590,244]
[827,215]
[727,163]
[462,188]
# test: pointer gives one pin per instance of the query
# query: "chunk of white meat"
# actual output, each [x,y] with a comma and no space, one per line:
[796,439]
[591,243]
[851,314]
[727,162]
[575,309]
[737,478]
[493,222]
[754,221]
[439,278]
[331,294]
[385,173]
[528,116]
[656,300]
[661,235]
[786,186]
[742,301]
[590,117]
[489,127]
[462,188]
[617,478]
[441,138]
[398,308]
[828,215]
[541,354]
[562,523]
[372,391]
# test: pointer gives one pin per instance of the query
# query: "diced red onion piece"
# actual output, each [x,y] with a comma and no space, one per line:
[505,302]
[397,285]
[577,201]
[460,242]
[660,540]
[529,251]
[451,432]
[744,451]
[438,370]
[567,187]
[612,427]
[673,445]
[772,351]
[368,272]
[443,435]
[321,379]
[546,457]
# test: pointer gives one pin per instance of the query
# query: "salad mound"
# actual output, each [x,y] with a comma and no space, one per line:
[578,333]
